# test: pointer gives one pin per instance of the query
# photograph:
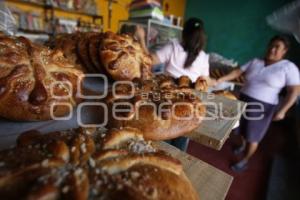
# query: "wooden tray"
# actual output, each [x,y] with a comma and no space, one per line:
[210,182]
[214,132]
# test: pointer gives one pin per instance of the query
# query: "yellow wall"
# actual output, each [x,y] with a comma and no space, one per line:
[176,7]
[119,11]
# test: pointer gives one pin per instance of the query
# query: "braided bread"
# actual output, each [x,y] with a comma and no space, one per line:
[119,56]
[32,79]
[162,111]
[118,164]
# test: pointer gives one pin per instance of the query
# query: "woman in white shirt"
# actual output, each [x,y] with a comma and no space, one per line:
[265,78]
[184,57]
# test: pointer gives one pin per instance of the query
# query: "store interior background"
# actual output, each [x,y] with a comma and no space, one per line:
[236,29]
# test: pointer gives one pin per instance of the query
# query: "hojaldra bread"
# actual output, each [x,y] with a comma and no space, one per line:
[184,82]
[118,56]
[118,164]
[200,84]
[35,81]
[123,58]
[157,106]
[225,93]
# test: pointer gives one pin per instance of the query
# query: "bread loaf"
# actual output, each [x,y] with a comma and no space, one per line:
[118,164]
[35,79]
[184,82]
[118,56]
[201,84]
[123,58]
[226,94]
[162,113]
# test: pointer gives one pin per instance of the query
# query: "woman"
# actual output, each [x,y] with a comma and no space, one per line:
[183,58]
[264,80]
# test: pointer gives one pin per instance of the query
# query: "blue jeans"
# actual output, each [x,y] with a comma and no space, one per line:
[180,142]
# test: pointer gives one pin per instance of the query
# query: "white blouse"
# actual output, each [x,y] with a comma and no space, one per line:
[264,83]
[174,56]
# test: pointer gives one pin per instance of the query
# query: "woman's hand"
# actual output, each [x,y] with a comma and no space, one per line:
[280,115]
[231,76]
[290,99]
[140,36]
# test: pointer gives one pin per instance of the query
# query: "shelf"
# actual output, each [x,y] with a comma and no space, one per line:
[41,5]
[33,31]
[158,33]
[50,15]
[73,11]
[26,3]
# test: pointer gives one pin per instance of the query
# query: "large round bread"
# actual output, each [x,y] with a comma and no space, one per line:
[67,43]
[162,113]
[83,54]
[118,56]
[93,51]
[118,164]
[123,58]
[34,79]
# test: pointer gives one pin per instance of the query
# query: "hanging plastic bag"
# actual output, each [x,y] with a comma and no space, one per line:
[8,23]
[287,19]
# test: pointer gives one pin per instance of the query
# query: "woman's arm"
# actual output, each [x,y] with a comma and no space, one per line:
[155,59]
[211,82]
[231,76]
[140,35]
[290,99]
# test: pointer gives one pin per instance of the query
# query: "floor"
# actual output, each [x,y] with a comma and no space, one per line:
[252,183]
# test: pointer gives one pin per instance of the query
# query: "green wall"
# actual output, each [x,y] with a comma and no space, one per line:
[236,28]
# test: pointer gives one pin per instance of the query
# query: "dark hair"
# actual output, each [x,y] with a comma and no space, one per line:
[281,38]
[193,39]
[128,29]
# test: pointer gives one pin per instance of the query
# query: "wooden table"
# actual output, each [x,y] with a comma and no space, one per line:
[210,183]
[222,115]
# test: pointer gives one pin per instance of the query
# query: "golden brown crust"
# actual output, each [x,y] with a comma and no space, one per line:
[201,84]
[83,54]
[116,165]
[118,56]
[123,58]
[39,172]
[184,82]
[32,79]
[109,154]
[117,137]
[164,81]
[162,113]
[93,52]
[67,43]
[225,93]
